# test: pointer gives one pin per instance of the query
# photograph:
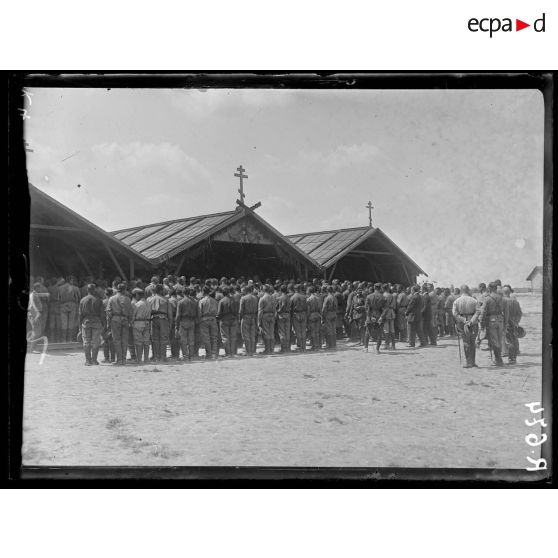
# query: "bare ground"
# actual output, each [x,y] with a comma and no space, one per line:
[403,408]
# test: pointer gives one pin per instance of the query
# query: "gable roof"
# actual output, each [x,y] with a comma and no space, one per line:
[328,247]
[49,214]
[161,241]
[538,269]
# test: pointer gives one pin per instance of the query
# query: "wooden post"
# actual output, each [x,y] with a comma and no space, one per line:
[179,268]
[115,262]
[333,271]
[132,270]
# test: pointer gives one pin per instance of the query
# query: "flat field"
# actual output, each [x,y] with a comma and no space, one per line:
[402,408]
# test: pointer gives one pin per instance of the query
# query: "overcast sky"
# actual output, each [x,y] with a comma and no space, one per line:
[456,177]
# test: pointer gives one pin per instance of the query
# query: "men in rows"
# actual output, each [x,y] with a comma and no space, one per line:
[91,318]
[466,311]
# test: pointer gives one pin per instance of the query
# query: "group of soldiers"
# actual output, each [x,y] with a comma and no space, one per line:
[145,320]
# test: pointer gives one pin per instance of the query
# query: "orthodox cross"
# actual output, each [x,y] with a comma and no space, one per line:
[240,174]
[370,208]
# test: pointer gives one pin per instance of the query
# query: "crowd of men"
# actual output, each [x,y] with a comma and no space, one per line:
[144,321]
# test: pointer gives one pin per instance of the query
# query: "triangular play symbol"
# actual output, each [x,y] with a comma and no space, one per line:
[519,25]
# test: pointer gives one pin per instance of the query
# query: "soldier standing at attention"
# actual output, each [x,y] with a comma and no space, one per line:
[329,318]
[314,318]
[340,308]
[448,309]
[70,296]
[299,313]
[427,316]
[441,294]
[466,312]
[514,315]
[492,317]
[91,317]
[161,323]
[413,315]
[173,337]
[187,316]
[433,329]
[141,319]
[119,315]
[374,306]
[247,312]
[227,319]
[266,319]
[401,319]
[388,316]
[54,323]
[283,316]
[209,331]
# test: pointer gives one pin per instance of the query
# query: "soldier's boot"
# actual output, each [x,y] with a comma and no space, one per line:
[163,352]
[392,341]
[88,356]
[146,354]
[139,352]
[94,353]
[498,357]
[378,344]
[156,351]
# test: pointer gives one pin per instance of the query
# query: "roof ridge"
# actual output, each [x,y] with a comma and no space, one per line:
[331,231]
[137,227]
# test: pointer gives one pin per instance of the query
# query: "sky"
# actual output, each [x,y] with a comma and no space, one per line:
[455,176]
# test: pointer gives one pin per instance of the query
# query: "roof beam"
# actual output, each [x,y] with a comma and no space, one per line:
[372,252]
[56,228]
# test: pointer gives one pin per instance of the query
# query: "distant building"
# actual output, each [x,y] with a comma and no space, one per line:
[536,278]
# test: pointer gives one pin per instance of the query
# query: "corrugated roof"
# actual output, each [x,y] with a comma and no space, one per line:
[327,247]
[536,270]
[160,241]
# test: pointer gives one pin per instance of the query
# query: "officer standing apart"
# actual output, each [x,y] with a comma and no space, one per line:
[466,311]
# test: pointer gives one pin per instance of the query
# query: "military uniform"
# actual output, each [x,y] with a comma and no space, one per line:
[329,318]
[388,318]
[513,319]
[314,320]
[161,323]
[34,311]
[70,296]
[283,315]
[492,317]
[54,320]
[266,321]
[141,330]
[119,317]
[466,310]
[247,313]
[299,313]
[187,316]
[357,312]
[92,320]
[227,318]
[209,331]
[448,309]
[414,319]
[401,319]
[374,305]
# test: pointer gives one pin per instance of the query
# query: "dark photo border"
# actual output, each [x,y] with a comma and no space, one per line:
[18,260]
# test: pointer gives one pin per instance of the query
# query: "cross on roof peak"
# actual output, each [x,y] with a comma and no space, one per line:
[240,175]
[370,208]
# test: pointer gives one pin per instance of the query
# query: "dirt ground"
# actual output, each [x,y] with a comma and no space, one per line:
[403,408]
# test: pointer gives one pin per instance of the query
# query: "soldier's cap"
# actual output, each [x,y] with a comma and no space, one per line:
[377,285]
[137,290]
[361,285]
